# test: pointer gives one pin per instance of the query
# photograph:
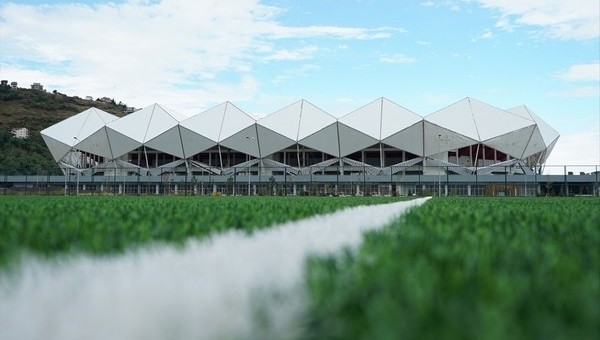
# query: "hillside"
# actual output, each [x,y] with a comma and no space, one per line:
[36,110]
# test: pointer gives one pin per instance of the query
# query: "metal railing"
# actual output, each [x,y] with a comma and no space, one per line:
[333,180]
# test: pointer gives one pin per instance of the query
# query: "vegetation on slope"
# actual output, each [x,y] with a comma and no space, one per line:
[465,268]
[36,110]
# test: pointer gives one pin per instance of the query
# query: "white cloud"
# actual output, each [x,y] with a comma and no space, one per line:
[396,59]
[580,92]
[581,148]
[422,42]
[568,20]
[295,73]
[487,34]
[582,72]
[143,51]
[504,24]
[295,54]
[427,3]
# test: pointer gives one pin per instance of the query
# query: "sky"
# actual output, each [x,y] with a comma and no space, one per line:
[337,54]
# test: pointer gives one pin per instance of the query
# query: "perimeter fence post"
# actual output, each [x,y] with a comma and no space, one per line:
[597,191]
[447,181]
[476,180]
[537,190]
[364,181]
[505,182]
[566,191]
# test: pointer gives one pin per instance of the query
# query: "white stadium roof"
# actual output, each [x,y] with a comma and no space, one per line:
[516,132]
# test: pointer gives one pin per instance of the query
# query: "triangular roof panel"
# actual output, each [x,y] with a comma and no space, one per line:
[161,121]
[492,121]
[366,119]
[457,117]
[439,139]
[313,119]
[121,144]
[97,144]
[395,118]
[325,140]
[133,125]
[513,143]
[548,133]
[298,120]
[271,141]
[168,142]
[285,121]
[245,141]
[193,142]
[80,126]
[234,120]
[57,148]
[536,143]
[409,139]
[207,123]
[352,140]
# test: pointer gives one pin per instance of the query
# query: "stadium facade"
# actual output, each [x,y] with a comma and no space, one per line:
[380,138]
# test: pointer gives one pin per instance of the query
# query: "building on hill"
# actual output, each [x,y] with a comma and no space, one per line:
[89,98]
[37,87]
[21,133]
[130,110]
[13,84]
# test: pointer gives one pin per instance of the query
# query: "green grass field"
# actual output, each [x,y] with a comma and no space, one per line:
[467,268]
[102,225]
[455,268]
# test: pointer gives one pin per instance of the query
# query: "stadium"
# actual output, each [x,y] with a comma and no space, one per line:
[381,142]
[381,138]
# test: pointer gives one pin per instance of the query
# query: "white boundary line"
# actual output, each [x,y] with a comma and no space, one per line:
[201,291]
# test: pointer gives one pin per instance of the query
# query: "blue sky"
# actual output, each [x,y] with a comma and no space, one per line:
[339,55]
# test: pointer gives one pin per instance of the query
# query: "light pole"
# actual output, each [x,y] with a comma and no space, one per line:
[445,139]
[77,167]
[250,139]
[66,174]
[439,170]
